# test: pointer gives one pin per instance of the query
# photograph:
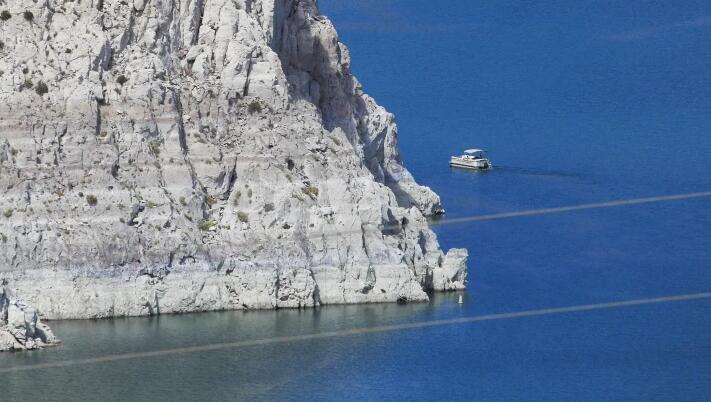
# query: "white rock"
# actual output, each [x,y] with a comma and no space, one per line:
[222,155]
[20,327]
[452,275]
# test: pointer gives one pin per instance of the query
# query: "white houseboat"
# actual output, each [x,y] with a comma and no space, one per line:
[472,159]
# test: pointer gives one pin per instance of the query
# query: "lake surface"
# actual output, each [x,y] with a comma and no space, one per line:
[581,103]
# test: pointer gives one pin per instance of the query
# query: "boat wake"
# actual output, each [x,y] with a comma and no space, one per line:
[537,172]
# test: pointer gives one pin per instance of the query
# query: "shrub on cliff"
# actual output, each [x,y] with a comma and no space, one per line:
[243,217]
[254,107]
[41,88]
[336,140]
[311,191]
[154,147]
[28,16]
[5,15]
[121,79]
[207,224]
[91,200]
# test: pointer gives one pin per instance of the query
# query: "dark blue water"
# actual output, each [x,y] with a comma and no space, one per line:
[578,102]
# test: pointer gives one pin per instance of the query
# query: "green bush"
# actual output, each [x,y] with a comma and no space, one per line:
[121,79]
[91,200]
[207,224]
[5,15]
[154,147]
[311,191]
[243,217]
[254,106]
[27,84]
[8,212]
[41,88]
[28,16]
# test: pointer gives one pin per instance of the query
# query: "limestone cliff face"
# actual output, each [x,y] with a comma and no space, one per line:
[162,156]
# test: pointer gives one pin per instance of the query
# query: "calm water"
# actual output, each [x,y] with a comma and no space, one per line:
[578,103]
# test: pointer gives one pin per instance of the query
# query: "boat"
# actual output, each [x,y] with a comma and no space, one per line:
[472,159]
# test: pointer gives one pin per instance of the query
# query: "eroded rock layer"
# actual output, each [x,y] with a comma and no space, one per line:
[162,156]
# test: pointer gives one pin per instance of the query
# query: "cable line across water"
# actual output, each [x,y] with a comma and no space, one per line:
[361,331]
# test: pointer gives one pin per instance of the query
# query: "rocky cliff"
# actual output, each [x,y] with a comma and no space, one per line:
[161,156]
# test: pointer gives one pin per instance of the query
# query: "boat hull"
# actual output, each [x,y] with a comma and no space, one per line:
[474,165]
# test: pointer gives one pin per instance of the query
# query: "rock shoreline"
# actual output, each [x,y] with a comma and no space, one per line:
[59,295]
[199,155]
[20,327]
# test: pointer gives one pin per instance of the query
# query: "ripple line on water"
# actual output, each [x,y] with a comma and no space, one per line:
[360,331]
[553,210]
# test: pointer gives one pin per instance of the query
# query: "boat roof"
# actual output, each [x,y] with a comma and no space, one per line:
[473,151]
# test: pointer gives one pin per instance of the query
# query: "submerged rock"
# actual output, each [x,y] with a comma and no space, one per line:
[166,157]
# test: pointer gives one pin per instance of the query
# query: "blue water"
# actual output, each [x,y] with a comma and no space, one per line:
[578,102]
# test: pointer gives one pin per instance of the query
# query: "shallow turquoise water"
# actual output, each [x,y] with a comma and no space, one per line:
[579,103]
